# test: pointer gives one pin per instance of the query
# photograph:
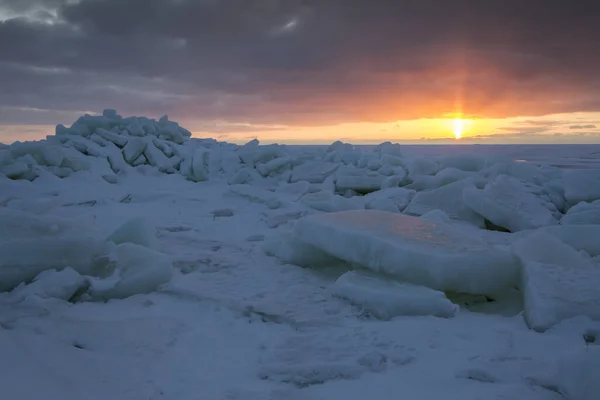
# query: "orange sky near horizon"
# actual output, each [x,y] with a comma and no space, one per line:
[556,128]
[582,128]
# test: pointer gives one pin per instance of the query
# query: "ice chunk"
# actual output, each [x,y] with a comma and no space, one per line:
[383,204]
[444,177]
[115,158]
[199,165]
[294,190]
[157,158]
[245,175]
[133,149]
[22,259]
[137,231]
[360,184]
[581,185]
[141,270]
[558,282]
[554,293]
[580,237]
[437,216]
[63,284]
[506,202]
[583,214]
[313,172]
[15,170]
[448,198]
[329,202]
[274,165]
[286,248]
[547,249]
[385,298]
[421,166]
[411,249]
[391,160]
[397,179]
[399,197]
[118,140]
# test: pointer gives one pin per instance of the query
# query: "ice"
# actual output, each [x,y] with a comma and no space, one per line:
[63,284]
[411,249]
[232,322]
[393,181]
[294,190]
[583,214]
[134,149]
[141,270]
[580,237]
[508,203]
[245,175]
[384,298]
[581,185]
[23,259]
[15,170]
[158,159]
[274,165]
[286,248]
[444,177]
[448,198]
[199,171]
[390,199]
[421,166]
[118,140]
[558,282]
[327,201]
[136,230]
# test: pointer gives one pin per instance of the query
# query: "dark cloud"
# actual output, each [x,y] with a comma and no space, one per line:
[590,126]
[304,62]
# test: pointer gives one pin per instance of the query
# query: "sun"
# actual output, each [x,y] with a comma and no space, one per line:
[459,127]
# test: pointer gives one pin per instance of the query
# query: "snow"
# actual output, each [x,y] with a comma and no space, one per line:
[411,249]
[293,272]
[386,299]
[576,374]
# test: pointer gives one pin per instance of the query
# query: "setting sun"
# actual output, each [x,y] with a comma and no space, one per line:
[459,126]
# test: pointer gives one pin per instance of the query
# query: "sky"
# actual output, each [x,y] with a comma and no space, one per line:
[308,71]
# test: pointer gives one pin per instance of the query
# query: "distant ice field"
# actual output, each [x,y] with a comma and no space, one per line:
[577,156]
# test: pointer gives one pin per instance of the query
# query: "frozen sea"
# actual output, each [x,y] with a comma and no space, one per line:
[137,263]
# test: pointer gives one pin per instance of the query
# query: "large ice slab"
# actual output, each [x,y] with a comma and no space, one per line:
[411,249]
[448,198]
[385,298]
[558,282]
[581,185]
[508,203]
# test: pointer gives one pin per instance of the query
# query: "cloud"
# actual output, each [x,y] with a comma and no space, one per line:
[590,126]
[299,62]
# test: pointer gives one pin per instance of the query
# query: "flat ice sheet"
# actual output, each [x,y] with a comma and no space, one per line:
[411,249]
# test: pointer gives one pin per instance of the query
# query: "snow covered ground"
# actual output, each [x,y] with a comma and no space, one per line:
[137,263]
